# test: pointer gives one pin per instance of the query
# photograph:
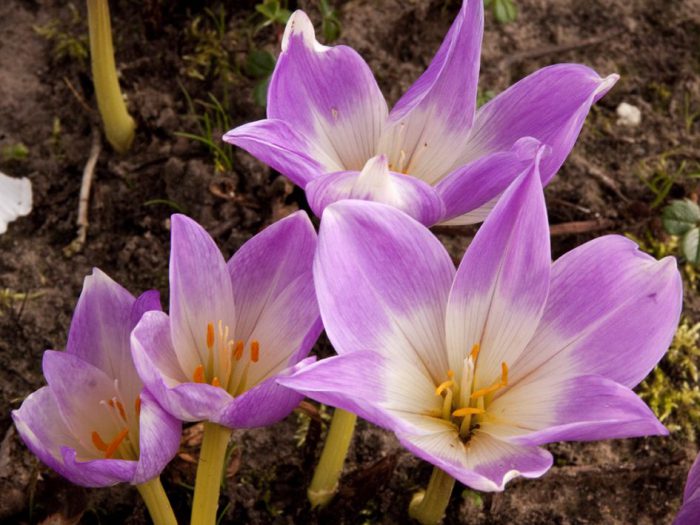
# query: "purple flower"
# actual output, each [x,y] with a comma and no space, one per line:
[94,424]
[233,327]
[474,370]
[690,510]
[329,129]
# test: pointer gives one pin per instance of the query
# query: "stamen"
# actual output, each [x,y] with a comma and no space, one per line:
[254,351]
[504,374]
[198,375]
[97,441]
[498,384]
[238,351]
[444,386]
[215,381]
[467,411]
[137,406]
[120,407]
[114,445]
[210,336]
[475,351]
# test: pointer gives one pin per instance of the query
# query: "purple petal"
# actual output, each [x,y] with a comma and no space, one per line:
[376,183]
[612,311]
[264,404]
[200,291]
[279,145]
[146,302]
[99,472]
[501,285]
[430,123]
[547,408]
[692,485]
[159,439]
[469,189]
[485,463]
[382,281]
[328,95]
[549,105]
[689,513]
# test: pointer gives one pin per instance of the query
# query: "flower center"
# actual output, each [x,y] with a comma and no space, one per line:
[124,442]
[462,405]
[224,355]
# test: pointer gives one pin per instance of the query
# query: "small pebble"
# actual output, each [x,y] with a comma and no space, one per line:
[628,115]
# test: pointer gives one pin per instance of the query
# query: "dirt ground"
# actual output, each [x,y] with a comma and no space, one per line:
[45,102]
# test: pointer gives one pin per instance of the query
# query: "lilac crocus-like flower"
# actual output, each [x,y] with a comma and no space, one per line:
[94,424]
[233,327]
[690,510]
[329,129]
[474,370]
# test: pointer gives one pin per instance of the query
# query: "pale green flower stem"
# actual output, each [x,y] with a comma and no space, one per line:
[157,502]
[428,508]
[209,474]
[118,124]
[324,484]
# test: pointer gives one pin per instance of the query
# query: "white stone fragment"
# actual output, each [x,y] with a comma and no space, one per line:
[15,199]
[628,115]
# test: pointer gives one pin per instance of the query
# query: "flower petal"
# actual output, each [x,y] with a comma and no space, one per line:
[328,95]
[99,472]
[612,310]
[279,145]
[549,105]
[159,439]
[376,183]
[429,125]
[689,513]
[471,188]
[382,281]
[15,199]
[543,409]
[200,291]
[501,285]
[485,463]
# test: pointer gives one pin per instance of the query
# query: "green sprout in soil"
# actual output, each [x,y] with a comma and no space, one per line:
[210,59]
[69,40]
[682,218]
[672,390]
[667,170]
[330,25]
[9,297]
[15,152]
[273,12]
[504,11]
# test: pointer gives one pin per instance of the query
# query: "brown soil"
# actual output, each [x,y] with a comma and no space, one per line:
[654,45]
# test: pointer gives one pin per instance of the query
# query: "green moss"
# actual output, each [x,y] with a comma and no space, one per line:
[69,39]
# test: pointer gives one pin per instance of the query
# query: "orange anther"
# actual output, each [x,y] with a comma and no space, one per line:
[114,445]
[215,381]
[254,351]
[122,412]
[97,441]
[238,350]
[198,375]
[210,335]
[475,351]
[504,374]
[137,406]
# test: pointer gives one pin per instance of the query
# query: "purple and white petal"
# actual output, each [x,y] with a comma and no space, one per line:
[328,95]
[428,126]
[200,291]
[382,281]
[376,183]
[689,513]
[501,285]
[612,310]
[98,472]
[549,105]
[278,144]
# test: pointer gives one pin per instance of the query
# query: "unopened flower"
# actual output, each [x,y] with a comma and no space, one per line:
[94,424]
[474,370]
[689,514]
[434,156]
[233,327]
[15,199]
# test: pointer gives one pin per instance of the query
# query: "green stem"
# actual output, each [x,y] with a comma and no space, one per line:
[209,473]
[428,508]
[157,502]
[325,481]
[118,124]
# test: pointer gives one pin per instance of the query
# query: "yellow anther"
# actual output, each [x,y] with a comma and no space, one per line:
[444,386]
[254,351]
[475,351]
[504,374]
[198,375]
[450,374]
[238,350]
[210,336]
[467,411]
[215,381]
[498,384]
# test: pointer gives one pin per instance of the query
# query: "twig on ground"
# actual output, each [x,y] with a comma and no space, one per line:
[562,48]
[570,228]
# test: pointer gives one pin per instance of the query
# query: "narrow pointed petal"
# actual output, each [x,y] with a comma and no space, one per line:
[200,290]
[15,199]
[376,183]
[545,409]
[501,285]
[485,463]
[430,122]
[246,410]
[328,95]
[481,182]
[689,513]
[549,105]
[276,143]
[382,281]
[159,439]
[612,310]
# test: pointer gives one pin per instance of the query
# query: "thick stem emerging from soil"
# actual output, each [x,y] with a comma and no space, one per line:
[157,502]
[325,481]
[118,124]
[428,508]
[209,473]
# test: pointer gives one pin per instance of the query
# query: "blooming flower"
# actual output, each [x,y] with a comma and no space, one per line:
[94,424]
[233,327]
[474,370]
[329,129]
[690,510]
[15,199]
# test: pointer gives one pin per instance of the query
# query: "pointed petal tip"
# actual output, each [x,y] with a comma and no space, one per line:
[605,85]
[300,24]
